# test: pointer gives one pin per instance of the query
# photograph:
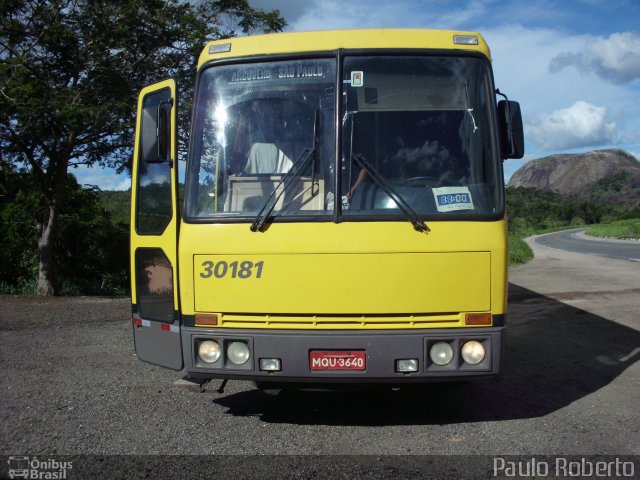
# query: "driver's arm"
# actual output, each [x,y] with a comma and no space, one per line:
[361,175]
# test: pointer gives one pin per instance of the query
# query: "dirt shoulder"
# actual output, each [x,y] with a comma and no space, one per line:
[600,285]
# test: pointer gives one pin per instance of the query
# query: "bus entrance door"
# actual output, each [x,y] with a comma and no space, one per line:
[154,291]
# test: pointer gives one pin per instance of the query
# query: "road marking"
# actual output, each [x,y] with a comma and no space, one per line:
[545,246]
[633,353]
[574,234]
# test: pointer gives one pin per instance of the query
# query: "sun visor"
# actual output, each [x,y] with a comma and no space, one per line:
[380,92]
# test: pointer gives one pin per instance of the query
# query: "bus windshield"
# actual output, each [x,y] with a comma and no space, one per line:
[252,123]
[417,135]
[425,126]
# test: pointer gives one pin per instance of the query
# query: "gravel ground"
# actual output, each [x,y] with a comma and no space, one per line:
[72,385]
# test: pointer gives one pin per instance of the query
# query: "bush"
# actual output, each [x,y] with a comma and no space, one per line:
[91,253]
[532,211]
[620,229]
[519,251]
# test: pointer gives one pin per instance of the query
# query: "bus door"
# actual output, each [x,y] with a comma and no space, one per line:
[154,229]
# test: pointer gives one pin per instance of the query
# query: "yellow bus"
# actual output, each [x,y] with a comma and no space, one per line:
[343,217]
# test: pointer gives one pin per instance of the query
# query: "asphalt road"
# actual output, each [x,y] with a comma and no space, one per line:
[70,384]
[576,241]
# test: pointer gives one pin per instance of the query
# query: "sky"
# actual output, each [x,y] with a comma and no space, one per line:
[574,65]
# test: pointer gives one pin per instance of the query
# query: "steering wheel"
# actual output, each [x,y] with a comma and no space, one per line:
[426,181]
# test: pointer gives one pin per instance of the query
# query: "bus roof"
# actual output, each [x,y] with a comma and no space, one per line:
[328,40]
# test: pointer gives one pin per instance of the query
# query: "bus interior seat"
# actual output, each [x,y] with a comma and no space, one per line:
[267,158]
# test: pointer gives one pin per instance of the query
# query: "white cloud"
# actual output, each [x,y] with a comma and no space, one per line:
[337,14]
[462,17]
[616,58]
[520,56]
[104,178]
[290,10]
[580,125]
[526,38]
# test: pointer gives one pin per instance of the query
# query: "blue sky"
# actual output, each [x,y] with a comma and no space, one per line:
[574,65]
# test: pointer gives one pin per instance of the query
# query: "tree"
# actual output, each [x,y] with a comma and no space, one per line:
[90,250]
[70,71]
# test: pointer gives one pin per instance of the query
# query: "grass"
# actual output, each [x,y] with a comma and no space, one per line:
[22,288]
[108,286]
[519,251]
[620,229]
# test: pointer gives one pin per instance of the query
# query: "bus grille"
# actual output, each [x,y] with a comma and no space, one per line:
[351,322]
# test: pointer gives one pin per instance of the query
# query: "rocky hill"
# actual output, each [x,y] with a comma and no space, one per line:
[610,176]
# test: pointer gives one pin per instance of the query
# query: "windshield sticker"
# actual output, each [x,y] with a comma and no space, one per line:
[357,79]
[451,199]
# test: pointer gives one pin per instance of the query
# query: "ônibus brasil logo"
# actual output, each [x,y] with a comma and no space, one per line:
[32,468]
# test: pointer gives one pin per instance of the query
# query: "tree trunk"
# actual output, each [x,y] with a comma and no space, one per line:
[47,279]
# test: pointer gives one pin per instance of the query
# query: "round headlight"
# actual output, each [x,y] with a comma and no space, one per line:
[473,352]
[441,353]
[238,352]
[209,351]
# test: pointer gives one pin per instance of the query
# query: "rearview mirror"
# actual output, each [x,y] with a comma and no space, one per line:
[156,133]
[511,131]
[164,131]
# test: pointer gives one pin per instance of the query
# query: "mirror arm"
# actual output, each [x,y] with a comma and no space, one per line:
[509,131]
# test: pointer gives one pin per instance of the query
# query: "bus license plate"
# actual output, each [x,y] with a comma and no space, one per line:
[337,360]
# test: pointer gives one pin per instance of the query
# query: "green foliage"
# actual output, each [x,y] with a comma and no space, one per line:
[543,210]
[118,203]
[19,205]
[70,73]
[616,182]
[531,211]
[621,188]
[23,287]
[621,229]
[519,251]
[92,252]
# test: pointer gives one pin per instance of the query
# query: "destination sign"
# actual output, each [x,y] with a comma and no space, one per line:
[288,71]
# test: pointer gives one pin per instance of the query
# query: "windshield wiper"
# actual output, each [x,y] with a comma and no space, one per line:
[298,166]
[418,224]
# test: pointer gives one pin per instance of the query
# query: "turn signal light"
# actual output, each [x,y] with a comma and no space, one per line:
[208,319]
[478,319]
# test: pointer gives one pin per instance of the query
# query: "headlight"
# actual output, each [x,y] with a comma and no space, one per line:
[238,353]
[441,353]
[473,352]
[209,351]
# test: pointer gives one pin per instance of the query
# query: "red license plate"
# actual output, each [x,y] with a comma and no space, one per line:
[337,360]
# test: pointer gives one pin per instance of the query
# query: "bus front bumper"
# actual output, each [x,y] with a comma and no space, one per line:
[343,356]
